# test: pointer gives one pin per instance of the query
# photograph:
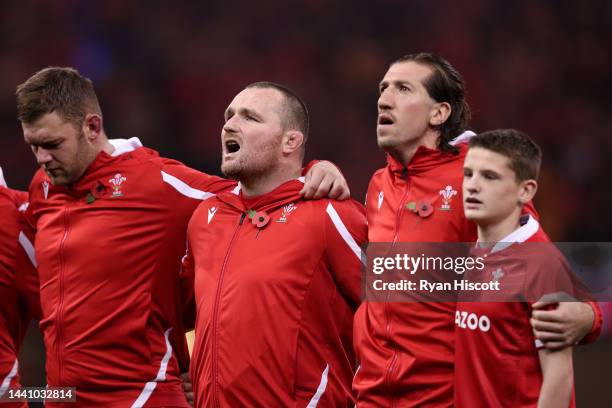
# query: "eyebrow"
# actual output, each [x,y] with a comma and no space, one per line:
[395,82]
[44,140]
[242,111]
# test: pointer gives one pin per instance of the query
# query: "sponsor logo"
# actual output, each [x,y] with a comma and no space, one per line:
[447,195]
[472,321]
[211,213]
[45,187]
[116,182]
[288,209]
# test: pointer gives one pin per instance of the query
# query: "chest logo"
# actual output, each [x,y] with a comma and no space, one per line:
[381,197]
[497,274]
[288,209]
[45,187]
[211,213]
[116,182]
[447,195]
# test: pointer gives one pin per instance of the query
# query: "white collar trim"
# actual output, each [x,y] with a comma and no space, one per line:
[125,145]
[2,181]
[519,235]
[463,138]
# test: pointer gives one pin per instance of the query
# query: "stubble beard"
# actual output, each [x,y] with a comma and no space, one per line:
[248,169]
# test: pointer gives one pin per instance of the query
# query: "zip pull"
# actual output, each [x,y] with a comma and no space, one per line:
[242,217]
[405,173]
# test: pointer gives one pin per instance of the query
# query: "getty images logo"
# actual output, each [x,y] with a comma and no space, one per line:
[472,321]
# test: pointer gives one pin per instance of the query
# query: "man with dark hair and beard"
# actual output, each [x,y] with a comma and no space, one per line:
[277,278]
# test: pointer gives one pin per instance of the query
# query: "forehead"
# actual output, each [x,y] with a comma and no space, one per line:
[407,71]
[261,100]
[48,126]
[481,158]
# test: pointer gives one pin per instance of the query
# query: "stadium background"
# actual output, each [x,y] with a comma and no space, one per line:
[166,73]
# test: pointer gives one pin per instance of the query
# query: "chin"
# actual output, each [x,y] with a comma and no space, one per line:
[386,142]
[475,216]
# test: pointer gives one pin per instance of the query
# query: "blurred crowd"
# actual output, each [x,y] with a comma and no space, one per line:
[166,73]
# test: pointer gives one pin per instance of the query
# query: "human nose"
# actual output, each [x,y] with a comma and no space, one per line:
[471,184]
[231,125]
[384,100]
[42,156]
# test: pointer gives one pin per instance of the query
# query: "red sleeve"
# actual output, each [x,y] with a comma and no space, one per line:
[186,282]
[27,275]
[346,234]
[597,324]
[193,183]
[8,238]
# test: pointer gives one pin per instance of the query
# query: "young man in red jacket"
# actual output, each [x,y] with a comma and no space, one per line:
[405,350]
[18,289]
[498,361]
[277,278]
[110,220]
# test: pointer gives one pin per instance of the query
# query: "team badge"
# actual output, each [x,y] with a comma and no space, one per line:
[211,213]
[447,195]
[381,197]
[45,187]
[117,181]
[288,209]
[497,274]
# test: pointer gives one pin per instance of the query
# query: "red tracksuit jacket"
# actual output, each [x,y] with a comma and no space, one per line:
[406,350]
[109,250]
[496,354]
[18,289]
[275,304]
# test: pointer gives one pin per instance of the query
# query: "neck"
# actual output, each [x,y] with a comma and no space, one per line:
[104,145]
[257,185]
[495,232]
[405,152]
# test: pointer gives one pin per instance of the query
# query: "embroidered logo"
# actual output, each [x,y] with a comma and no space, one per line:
[497,274]
[117,181]
[381,197]
[211,213]
[288,209]
[45,187]
[447,195]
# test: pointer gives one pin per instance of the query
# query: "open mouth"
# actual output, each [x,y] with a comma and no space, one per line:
[232,146]
[385,120]
[472,200]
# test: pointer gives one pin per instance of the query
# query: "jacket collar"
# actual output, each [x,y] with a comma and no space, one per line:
[425,159]
[286,193]
[529,226]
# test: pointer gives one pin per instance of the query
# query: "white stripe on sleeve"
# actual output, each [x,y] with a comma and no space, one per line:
[9,377]
[314,401]
[27,246]
[348,238]
[184,188]
[161,375]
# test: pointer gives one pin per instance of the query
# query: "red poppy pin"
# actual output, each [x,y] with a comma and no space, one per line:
[424,209]
[260,219]
[97,190]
